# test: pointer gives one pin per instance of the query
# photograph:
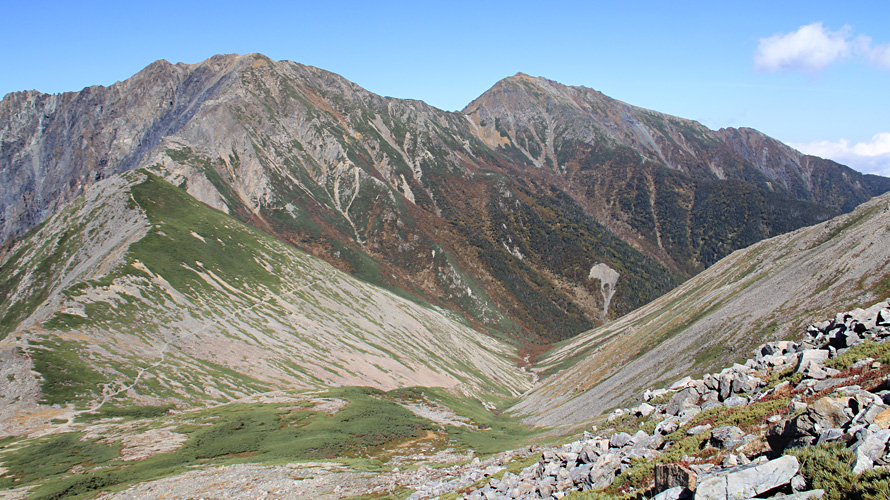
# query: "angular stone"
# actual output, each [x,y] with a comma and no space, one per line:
[643,410]
[698,429]
[726,437]
[735,401]
[748,481]
[602,473]
[580,474]
[825,413]
[829,435]
[801,495]
[870,449]
[812,370]
[681,400]
[869,413]
[666,427]
[675,493]
[674,475]
[882,419]
[688,413]
[725,385]
[829,383]
[681,384]
[619,439]
[818,356]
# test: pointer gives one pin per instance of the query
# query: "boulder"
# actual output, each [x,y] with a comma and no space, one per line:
[748,481]
[726,437]
[669,476]
[868,414]
[681,400]
[807,428]
[643,410]
[698,429]
[735,401]
[619,439]
[602,473]
[817,356]
[675,493]
[871,448]
[640,439]
[882,419]
[667,426]
[801,495]
[580,474]
[681,384]
[725,380]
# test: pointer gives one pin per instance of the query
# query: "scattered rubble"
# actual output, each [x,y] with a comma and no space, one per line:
[825,404]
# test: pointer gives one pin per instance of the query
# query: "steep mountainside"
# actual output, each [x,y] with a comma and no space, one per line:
[768,291]
[682,192]
[136,292]
[498,212]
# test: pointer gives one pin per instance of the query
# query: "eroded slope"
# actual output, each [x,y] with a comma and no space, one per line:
[765,292]
[190,306]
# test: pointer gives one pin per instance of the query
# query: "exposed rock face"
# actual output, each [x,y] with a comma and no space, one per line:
[53,146]
[607,277]
[494,212]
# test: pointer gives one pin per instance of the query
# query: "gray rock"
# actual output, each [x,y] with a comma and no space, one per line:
[725,385]
[726,437]
[817,356]
[744,384]
[643,410]
[868,414]
[698,429]
[619,439]
[829,435]
[602,473]
[748,481]
[681,384]
[681,400]
[829,383]
[798,483]
[801,495]
[639,437]
[580,474]
[667,426]
[687,414]
[735,401]
[813,370]
[668,476]
[674,493]
[870,449]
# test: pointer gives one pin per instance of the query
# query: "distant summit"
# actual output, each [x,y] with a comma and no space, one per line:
[496,212]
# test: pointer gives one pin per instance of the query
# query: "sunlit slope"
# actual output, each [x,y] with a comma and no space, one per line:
[767,291]
[138,291]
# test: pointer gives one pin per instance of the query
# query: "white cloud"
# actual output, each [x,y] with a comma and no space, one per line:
[813,48]
[872,157]
[880,56]
[810,48]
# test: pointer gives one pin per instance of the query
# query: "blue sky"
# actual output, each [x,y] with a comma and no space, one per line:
[813,74]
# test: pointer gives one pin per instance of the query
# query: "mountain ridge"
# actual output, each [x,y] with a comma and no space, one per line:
[436,203]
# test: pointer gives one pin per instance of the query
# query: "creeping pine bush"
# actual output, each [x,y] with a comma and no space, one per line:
[830,467]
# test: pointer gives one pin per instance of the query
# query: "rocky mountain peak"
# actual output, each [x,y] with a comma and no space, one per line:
[424,200]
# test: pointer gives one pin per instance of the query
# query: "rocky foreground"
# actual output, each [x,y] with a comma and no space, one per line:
[740,433]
